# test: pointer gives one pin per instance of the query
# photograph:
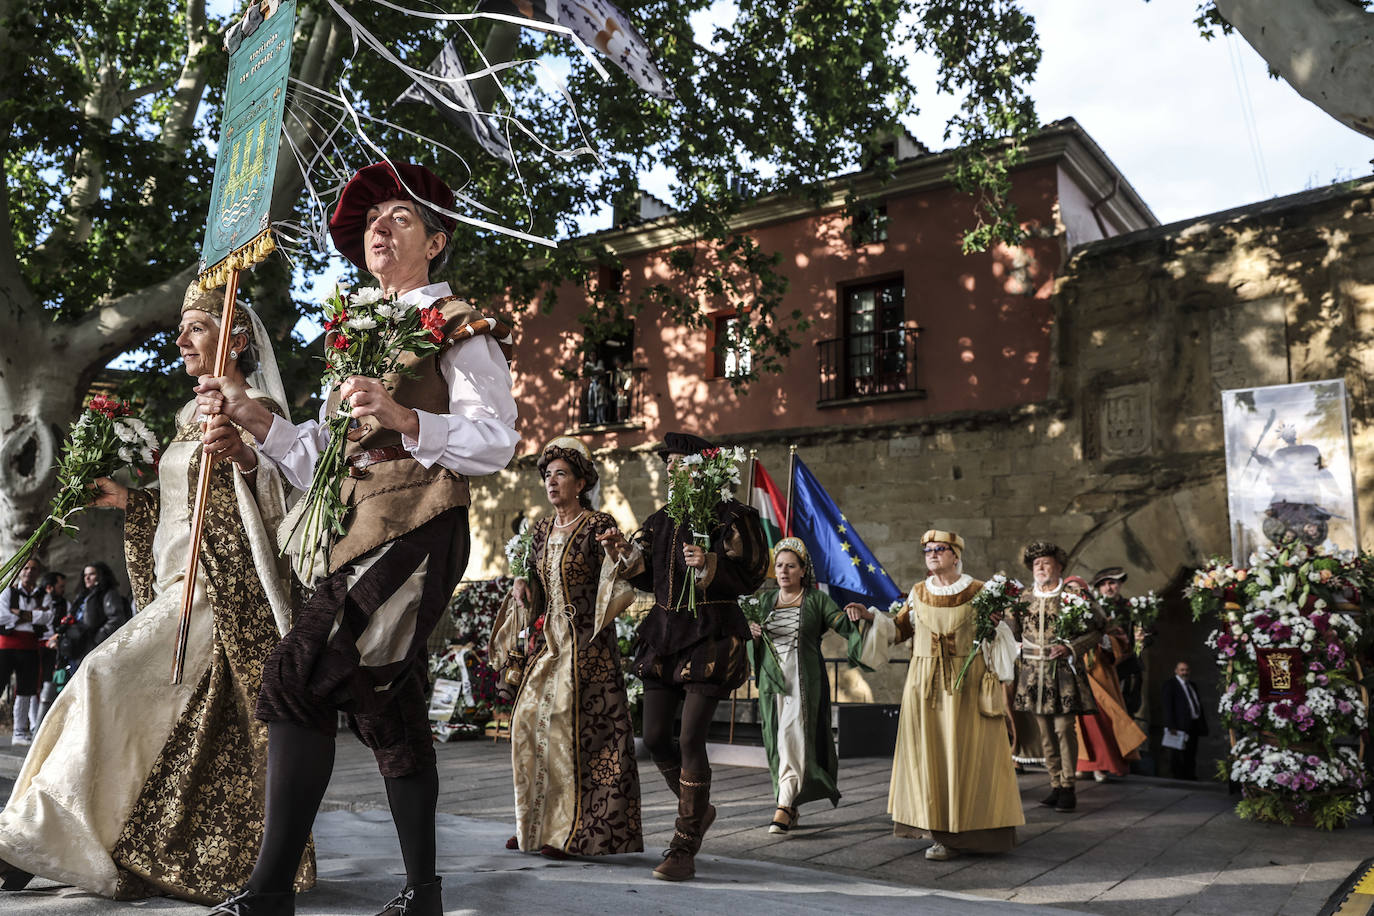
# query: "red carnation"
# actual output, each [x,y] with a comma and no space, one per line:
[110,407]
[339,342]
[433,321]
[332,324]
[710,452]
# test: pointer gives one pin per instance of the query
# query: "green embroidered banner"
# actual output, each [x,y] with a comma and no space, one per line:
[237,230]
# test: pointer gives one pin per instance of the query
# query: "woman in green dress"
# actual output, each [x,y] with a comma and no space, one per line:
[794,692]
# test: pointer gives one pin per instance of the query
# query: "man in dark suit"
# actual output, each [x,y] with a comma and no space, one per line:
[1183,713]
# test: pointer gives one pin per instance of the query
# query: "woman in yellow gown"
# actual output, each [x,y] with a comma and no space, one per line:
[952,773]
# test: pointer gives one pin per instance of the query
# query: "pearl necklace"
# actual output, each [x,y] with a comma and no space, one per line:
[558,524]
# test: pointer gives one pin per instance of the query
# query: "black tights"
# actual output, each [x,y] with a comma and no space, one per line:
[299,764]
[660,707]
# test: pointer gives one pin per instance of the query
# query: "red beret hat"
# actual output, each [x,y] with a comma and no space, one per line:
[374,184]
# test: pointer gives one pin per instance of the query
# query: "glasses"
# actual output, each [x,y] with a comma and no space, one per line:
[934,549]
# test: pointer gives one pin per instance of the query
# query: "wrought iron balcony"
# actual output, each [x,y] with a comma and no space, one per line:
[873,365]
[614,397]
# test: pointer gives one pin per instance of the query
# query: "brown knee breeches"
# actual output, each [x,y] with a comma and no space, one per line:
[358,645]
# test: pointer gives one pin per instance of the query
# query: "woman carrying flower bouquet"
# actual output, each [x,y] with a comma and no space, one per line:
[396,542]
[794,692]
[572,741]
[132,787]
[691,651]
[952,778]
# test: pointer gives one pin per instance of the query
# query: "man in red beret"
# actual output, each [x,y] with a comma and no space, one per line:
[358,643]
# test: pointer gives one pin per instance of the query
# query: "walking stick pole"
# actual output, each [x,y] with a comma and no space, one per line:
[188,583]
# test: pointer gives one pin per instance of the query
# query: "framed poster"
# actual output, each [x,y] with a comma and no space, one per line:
[1289,471]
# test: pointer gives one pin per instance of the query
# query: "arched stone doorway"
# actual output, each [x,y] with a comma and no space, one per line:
[1159,544]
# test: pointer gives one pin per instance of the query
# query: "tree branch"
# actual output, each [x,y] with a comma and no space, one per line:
[88,173]
[16,299]
[190,86]
[118,324]
[1323,48]
[138,92]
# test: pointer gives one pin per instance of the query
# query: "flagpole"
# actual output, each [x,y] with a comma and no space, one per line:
[188,583]
[749,500]
[791,474]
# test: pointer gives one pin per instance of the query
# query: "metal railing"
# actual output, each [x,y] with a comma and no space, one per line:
[610,398]
[865,365]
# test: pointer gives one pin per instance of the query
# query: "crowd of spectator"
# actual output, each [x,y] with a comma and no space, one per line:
[44,635]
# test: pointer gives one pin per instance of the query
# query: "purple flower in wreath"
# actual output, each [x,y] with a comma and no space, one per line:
[1315,666]
[1336,654]
[1284,779]
[1253,712]
[1281,632]
[1303,712]
[1344,706]
[1308,782]
[1323,680]
[1283,710]
[1313,760]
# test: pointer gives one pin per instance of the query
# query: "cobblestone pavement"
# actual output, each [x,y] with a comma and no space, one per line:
[1133,846]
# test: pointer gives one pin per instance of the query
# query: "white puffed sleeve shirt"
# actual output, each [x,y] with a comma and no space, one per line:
[477,436]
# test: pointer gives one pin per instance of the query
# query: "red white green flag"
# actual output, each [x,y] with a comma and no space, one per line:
[772,508]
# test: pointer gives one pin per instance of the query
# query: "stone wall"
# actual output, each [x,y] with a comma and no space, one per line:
[1123,465]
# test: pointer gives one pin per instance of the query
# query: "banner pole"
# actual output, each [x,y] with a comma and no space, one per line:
[791,475]
[188,582]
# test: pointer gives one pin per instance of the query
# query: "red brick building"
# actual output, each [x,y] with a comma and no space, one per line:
[903,324]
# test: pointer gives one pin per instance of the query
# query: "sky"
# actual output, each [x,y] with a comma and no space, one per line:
[1195,126]
[1170,108]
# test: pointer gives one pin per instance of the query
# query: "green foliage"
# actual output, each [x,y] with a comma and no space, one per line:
[1328,813]
[89,108]
[1269,808]
[988,52]
[781,100]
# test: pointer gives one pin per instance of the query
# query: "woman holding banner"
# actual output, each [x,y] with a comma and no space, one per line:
[133,788]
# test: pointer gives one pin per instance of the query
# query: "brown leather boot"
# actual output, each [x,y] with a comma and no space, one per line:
[672,775]
[679,861]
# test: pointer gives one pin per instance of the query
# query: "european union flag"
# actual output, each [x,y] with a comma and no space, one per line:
[844,564]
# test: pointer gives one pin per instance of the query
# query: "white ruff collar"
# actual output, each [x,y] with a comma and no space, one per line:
[1050,594]
[959,584]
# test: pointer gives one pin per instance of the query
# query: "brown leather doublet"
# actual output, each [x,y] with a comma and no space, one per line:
[387,499]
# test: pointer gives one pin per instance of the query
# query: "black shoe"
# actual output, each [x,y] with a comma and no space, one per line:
[1067,800]
[1049,801]
[13,879]
[249,903]
[417,900]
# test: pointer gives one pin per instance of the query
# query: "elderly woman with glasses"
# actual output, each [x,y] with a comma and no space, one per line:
[952,778]
[794,693]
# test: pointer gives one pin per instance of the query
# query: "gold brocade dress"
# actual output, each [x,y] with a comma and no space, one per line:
[952,772]
[572,740]
[133,787]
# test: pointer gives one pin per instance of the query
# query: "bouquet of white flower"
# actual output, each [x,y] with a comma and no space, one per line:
[518,552]
[697,485]
[753,612]
[367,333]
[104,439]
